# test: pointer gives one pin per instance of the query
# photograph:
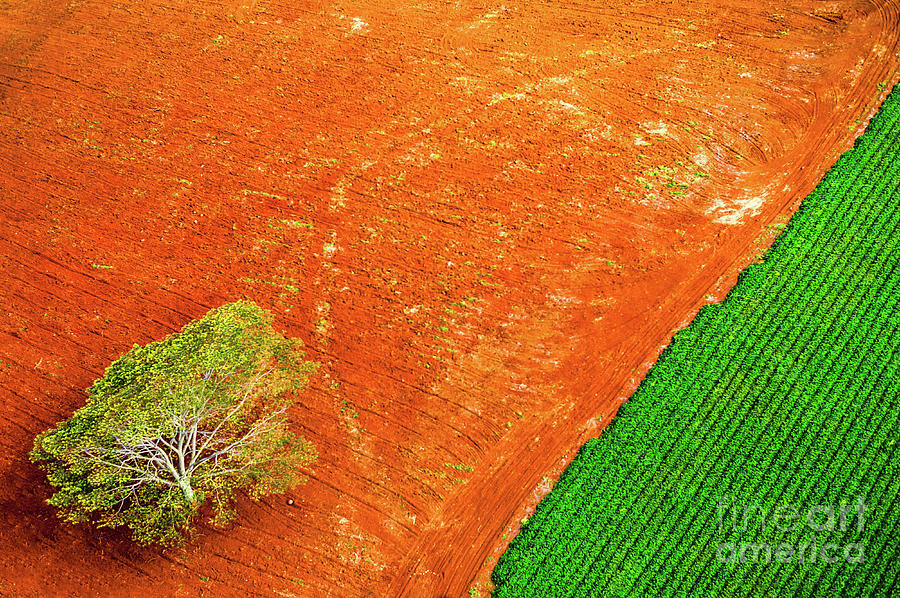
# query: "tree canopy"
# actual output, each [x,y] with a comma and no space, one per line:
[179,423]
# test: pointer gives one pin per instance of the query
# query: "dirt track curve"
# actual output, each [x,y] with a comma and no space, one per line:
[484,218]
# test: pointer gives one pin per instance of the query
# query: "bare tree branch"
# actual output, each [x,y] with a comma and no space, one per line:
[183,451]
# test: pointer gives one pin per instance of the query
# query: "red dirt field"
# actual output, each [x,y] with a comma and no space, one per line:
[485,219]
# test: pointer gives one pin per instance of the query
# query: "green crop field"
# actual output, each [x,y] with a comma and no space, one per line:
[759,457]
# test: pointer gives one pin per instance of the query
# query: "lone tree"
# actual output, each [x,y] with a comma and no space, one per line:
[180,423]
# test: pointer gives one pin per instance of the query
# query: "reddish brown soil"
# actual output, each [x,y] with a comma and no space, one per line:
[447,201]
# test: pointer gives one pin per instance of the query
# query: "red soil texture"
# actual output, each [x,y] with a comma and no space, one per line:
[484,218]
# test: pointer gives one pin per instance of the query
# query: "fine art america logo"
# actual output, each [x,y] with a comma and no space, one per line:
[820,522]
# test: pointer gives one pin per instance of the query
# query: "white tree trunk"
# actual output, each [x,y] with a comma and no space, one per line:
[185,484]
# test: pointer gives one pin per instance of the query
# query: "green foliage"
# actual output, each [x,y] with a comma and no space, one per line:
[180,423]
[784,395]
